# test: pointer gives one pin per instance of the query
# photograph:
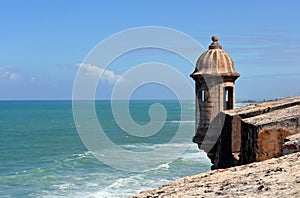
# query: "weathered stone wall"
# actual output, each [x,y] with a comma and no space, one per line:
[256,132]
[291,144]
[269,143]
[268,133]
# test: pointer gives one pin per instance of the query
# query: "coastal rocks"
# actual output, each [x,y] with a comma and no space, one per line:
[256,132]
[277,177]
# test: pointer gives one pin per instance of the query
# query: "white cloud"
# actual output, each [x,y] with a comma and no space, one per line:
[106,74]
[33,79]
[8,73]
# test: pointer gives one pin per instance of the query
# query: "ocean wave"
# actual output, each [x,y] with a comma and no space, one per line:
[163,166]
[123,187]
[82,155]
[77,156]
[182,121]
[63,186]
[152,146]
[104,184]
[193,157]
[139,147]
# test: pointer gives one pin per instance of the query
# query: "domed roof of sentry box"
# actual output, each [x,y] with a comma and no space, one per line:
[215,61]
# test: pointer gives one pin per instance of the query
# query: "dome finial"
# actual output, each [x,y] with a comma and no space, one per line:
[215,44]
[215,38]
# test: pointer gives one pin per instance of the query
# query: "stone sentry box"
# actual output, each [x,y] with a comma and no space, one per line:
[214,77]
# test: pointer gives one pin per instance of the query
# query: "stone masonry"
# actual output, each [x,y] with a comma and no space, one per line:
[257,132]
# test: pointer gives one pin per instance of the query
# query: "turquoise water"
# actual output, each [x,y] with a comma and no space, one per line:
[42,155]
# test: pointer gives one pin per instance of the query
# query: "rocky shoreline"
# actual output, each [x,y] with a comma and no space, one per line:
[277,177]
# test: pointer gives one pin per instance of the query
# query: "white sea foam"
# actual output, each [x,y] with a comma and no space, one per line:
[163,166]
[63,186]
[139,147]
[79,156]
[194,154]
[123,187]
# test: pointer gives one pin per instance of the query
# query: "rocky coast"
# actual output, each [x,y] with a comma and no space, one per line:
[276,177]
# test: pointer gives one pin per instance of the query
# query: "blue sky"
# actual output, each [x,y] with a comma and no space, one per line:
[43,42]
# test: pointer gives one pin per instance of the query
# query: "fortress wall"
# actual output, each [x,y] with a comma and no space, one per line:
[256,132]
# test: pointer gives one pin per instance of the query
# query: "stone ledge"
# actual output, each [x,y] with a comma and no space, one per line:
[276,116]
[264,107]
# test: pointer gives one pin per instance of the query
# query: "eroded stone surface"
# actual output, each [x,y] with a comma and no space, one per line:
[291,145]
[269,143]
[277,177]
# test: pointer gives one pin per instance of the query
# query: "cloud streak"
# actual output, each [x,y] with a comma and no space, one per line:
[105,74]
[8,73]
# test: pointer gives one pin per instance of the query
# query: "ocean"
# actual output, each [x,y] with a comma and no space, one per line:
[42,154]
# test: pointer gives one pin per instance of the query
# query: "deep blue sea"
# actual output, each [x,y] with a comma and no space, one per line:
[42,155]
